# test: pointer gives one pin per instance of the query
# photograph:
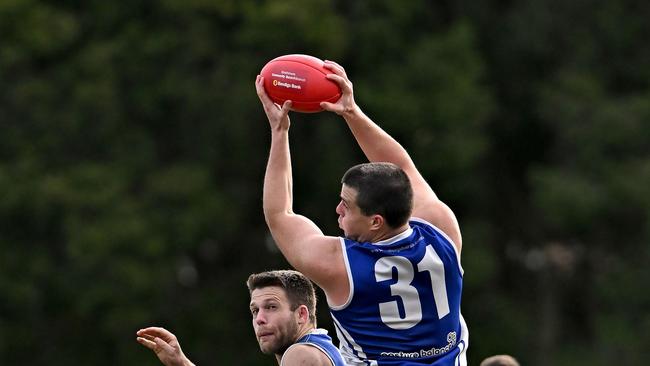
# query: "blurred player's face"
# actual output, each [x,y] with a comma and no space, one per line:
[352,221]
[275,324]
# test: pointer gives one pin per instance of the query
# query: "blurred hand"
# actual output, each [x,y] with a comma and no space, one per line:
[278,116]
[346,103]
[164,344]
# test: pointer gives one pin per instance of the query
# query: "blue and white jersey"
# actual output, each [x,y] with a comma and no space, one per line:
[318,338]
[404,304]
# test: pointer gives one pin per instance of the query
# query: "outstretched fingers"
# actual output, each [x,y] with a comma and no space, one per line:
[147,342]
[269,105]
[330,107]
[343,82]
[284,120]
[346,102]
[155,331]
[286,107]
[336,68]
[259,88]
[156,344]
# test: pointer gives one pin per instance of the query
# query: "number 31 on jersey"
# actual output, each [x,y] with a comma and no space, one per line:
[408,294]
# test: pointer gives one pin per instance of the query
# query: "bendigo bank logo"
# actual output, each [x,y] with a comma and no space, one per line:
[283,84]
[287,75]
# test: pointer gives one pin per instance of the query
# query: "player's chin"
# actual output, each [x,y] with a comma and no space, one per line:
[266,347]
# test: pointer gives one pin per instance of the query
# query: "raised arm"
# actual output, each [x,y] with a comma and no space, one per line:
[301,242]
[379,146]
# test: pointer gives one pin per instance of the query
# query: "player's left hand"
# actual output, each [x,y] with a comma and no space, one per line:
[346,103]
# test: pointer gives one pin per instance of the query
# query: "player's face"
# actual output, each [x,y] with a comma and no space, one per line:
[352,221]
[275,324]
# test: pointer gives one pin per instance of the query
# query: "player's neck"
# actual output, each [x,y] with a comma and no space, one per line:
[304,330]
[389,232]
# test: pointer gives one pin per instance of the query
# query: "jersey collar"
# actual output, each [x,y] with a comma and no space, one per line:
[403,235]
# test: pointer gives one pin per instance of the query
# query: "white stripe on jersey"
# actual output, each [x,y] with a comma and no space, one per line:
[350,281]
[461,358]
[347,344]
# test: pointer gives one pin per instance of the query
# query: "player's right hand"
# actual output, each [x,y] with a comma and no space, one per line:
[278,116]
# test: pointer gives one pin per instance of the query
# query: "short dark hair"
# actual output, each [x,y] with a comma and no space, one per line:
[299,289]
[383,189]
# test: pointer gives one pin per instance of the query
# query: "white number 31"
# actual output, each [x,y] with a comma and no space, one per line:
[389,310]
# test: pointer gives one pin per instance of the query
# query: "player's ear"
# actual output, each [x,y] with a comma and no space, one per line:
[303,314]
[376,222]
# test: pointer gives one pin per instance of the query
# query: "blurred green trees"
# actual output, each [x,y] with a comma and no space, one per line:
[132,151]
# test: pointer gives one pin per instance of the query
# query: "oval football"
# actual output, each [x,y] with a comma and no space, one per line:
[301,79]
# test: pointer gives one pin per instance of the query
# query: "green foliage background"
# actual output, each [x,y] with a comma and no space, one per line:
[132,151]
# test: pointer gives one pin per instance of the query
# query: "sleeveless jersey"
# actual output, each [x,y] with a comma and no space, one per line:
[404,303]
[318,338]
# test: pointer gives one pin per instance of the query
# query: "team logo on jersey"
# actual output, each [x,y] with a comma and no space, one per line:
[451,337]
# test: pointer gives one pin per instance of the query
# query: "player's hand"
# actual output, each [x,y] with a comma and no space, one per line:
[346,103]
[278,116]
[164,344]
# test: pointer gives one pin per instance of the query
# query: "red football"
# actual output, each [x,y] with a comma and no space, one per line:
[301,79]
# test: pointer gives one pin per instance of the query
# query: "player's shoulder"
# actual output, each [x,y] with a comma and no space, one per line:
[422,224]
[427,226]
[440,216]
[305,354]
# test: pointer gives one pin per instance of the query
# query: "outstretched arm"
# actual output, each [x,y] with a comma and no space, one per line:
[164,344]
[379,146]
[301,242]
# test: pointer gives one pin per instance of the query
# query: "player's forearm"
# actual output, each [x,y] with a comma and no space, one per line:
[277,195]
[178,359]
[182,361]
[187,362]
[376,144]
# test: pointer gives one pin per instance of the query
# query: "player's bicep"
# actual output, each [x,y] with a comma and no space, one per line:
[423,194]
[307,249]
[290,230]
